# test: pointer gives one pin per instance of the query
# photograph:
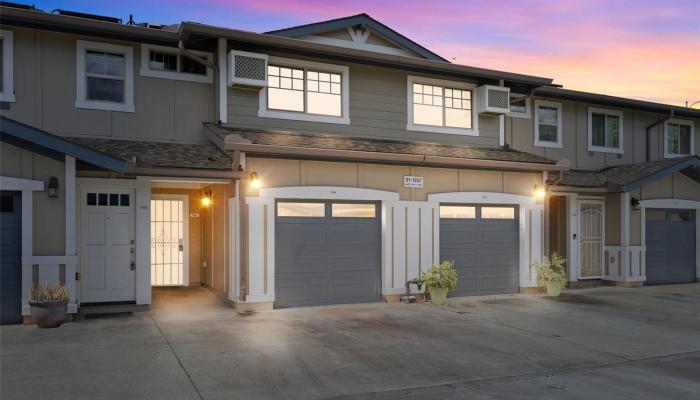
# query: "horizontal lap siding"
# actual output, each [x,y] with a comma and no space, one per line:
[377,110]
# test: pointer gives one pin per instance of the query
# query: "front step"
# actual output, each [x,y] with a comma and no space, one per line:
[94,310]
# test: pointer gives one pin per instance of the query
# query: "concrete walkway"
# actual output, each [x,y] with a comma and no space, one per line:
[605,343]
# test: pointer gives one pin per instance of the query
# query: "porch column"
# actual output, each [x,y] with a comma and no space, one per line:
[27,247]
[260,264]
[70,233]
[143,240]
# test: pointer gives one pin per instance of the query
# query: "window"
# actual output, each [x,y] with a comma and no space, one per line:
[440,106]
[168,63]
[107,199]
[497,213]
[350,210]
[679,138]
[306,91]
[458,212]
[605,130]
[519,106]
[548,124]
[286,209]
[105,79]
[7,88]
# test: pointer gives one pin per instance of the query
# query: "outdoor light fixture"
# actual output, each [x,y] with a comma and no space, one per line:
[539,193]
[52,187]
[206,200]
[634,202]
[255,181]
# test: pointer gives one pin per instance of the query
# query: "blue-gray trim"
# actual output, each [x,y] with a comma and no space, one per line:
[692,162]
[36,138]
[359,19]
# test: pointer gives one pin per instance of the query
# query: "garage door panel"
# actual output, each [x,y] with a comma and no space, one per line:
[670,241]
[327,260]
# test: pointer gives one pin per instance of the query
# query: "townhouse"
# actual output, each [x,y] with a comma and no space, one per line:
[321,164]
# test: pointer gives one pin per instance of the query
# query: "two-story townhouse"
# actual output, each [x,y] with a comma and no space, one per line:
[322,164]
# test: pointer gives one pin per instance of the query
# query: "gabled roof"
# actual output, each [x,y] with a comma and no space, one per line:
[628,177]
[340,147]
[351,21]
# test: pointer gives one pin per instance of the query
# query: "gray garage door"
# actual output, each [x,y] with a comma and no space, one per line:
[483,243]
[327,253]
[670,240]
[10,261]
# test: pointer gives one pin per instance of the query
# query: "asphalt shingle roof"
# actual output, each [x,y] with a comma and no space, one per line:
[337,142]
[159,154]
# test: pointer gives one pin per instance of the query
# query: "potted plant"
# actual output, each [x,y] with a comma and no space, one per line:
[48,303]
[440,279]
[551,273]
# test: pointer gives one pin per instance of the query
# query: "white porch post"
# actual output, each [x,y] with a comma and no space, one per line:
[572,232]
[27,247]
[70,232]
[143,240]
[260,266]
[223,80]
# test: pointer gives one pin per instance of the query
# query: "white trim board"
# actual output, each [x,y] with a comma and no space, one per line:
[343,70]
[12,183]
[445,84]
[673,204]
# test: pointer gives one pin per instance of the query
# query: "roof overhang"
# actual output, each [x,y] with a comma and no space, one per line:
[689,165]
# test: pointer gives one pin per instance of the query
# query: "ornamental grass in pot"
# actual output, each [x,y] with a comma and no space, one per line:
[551,273]
[48,303]
[440,279]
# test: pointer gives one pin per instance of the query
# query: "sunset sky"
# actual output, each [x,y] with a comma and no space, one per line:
[642,49]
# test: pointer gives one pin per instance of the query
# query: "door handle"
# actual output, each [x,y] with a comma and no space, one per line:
[132,266]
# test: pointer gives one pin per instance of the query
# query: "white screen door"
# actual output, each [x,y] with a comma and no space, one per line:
[591,239]
[169,240]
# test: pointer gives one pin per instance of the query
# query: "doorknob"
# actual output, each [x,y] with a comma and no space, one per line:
[133,266]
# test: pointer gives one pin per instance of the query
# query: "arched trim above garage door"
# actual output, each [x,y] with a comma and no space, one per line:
[531,231]
[674,204]
[261,229]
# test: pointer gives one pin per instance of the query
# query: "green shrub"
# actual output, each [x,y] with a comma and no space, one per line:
[551,269]
[441,276]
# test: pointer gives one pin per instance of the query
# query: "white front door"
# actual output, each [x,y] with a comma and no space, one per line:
[108,235]
[590,233]
[169,240]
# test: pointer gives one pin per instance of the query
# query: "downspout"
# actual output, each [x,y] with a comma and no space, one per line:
[652,126]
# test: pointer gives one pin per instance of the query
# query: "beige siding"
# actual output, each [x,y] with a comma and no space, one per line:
[520,135]
[166,110]
[281,173]
[612,219]
[377,110]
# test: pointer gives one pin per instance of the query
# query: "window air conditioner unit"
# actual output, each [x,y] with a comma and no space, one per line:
[247,69]
[492,100]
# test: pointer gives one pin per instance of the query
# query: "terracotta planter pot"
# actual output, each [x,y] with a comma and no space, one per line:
[49,314]
[438,295]
[553,289]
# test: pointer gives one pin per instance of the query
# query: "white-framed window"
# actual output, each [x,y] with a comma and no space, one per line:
[605,130]
[520,106]
[7,84]
[167,63]
[679,138]
[306,91]
[548,132]
[104,76]
[436,105]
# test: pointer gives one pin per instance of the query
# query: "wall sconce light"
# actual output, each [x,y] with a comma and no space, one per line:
[52,187]
[634,202]
[206,200]
[539,193]
[255,181]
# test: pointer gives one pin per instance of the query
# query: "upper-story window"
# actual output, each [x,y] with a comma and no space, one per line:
[306,91]
[679,140]
[7,87]
[440,106]
[168,63]
[605,130]
[548,131]
[105,76]
[519,106]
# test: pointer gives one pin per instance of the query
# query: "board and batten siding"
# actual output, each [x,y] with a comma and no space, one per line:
[377,110]
[165,109]
[520,135]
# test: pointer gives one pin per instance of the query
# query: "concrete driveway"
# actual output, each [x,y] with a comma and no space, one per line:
[604,343]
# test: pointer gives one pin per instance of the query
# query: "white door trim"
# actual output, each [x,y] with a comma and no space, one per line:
[186,231]
[674,204]
[580,201]
[20,184]
[530,226]
[261,235]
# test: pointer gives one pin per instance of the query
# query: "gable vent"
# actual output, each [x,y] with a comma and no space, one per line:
[493,100]
[247,69]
